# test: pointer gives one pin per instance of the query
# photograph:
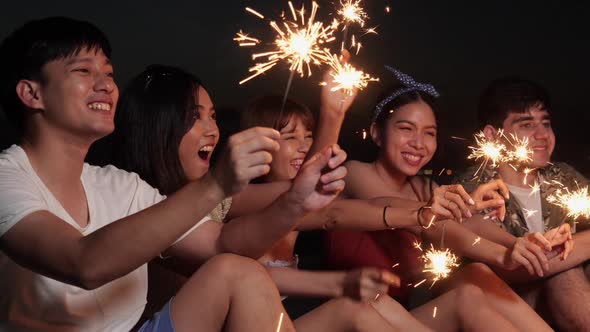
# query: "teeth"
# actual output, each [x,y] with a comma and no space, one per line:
[411,157]
[297,162]
[206,148]
[99,106]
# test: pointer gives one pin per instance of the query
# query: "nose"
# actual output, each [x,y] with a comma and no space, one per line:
[105,83]
[541,132]
[304,145]
[211,129]
[417,141]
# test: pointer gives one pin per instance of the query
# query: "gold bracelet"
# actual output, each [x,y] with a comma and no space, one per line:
[384,219]
[418,216]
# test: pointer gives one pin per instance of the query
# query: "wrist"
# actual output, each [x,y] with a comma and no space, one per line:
[290,204]
[215,189]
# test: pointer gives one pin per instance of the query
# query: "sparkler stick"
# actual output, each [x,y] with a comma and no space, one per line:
[276,125]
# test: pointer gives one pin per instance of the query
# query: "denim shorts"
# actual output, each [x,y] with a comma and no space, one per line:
[161,322]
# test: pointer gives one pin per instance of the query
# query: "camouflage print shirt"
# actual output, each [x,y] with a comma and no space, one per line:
[220,212]
[549,179]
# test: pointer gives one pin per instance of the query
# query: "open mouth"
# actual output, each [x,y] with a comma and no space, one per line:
[98,106]
[205,152]
[296,163]
[412,159]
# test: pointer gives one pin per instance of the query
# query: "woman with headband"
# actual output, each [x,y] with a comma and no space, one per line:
[404,128]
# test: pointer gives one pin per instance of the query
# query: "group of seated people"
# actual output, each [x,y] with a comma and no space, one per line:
[76,239]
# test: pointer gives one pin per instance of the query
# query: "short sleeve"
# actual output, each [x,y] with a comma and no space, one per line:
[19,197]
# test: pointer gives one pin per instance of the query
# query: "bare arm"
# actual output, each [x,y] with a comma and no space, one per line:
[360,284]
[45,244]
[367,215]
[255,197]
[111,251]
[490,231]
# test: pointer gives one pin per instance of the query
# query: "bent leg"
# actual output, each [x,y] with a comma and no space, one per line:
[343,315]
[464,308]
[567,296]
[230,293]
[501,297]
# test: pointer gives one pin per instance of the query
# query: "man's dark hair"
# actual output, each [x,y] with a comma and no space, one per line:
[509,95]
[24,53]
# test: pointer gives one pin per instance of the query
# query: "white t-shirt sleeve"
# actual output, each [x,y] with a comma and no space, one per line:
[19,197]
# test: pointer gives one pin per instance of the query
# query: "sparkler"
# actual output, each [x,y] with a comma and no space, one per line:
[280,322]
[347,77]
[439,263]
[299,41]
[576,204]
[495,151]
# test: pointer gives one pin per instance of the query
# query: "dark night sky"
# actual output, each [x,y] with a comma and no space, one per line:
[458,46]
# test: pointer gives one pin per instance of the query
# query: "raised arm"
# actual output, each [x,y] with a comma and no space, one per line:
[333,107]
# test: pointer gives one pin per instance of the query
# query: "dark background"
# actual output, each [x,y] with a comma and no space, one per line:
[458,46]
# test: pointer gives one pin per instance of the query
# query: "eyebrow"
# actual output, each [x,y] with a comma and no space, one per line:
[76,60]
[413,124]
[529,118]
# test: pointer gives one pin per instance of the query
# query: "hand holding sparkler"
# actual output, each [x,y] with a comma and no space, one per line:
[487,196]
[525,252]
[334,99]
[447,202]
[560,236]
[367,284]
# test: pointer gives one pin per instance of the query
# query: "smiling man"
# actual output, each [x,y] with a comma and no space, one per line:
[522,108]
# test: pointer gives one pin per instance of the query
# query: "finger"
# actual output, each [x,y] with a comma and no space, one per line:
[538,252]
[458,200]
[454,210]
[501,186]
[259,143]
[458,189]
[333,187]
[254,132]
[254,172]
[489,204]
[440,211]
[542,240]
[568,246]
[256,158]
[334,175]
[338,156]
[532,258]
[318,161]
[523,262]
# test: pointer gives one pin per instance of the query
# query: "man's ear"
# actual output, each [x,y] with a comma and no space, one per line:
[490,132]
[29,92]
[375,134]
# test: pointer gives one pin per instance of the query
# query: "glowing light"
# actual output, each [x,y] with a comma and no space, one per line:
[395,265]
[520,152]
[434,313]
[346,77]
[529,213]
[280,322]
[387,9]
[576,204]
[352,12]
[439,263]
[299,41]
[477,240]
[486,149]
[252,11]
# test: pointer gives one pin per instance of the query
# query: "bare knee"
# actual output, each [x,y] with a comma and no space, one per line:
[468,298]
[356,314]
[234,269]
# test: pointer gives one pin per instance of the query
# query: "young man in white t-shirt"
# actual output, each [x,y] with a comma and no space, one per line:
[521,107]
[75,238]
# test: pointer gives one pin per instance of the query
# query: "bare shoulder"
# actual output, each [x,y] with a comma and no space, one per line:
[355,166]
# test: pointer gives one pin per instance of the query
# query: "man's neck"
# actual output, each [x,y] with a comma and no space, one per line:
[515,178]
[56,157]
